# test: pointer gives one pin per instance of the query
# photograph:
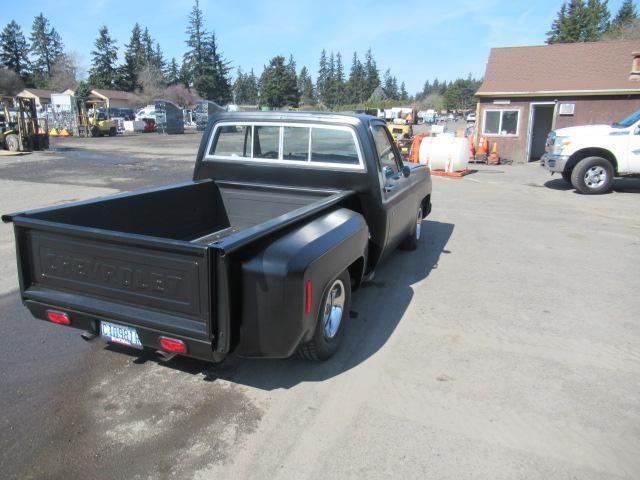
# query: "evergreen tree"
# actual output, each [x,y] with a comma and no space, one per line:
[194,58]
[134,62]
[339,93]
[578,21]
[390,86]
[46,47]
[103,64]
[426,90]
[356,85]
[245,88]
[278,86]
[291,65]
[305,87]
[173,72]
[82,91]
[252,89]
[626,15]
[158,60]
[575,21]
[185,75]
[372,74]
[323,73]
[459,95]
[596,20]
[148,52]
[203,65]
[330,92]
[403,92]
[557,27]
[14,50]
[213,81]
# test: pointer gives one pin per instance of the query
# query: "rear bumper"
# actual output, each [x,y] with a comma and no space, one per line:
[149,337]
[554,163]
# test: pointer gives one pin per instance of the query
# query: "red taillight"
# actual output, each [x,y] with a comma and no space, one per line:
[308,301]
[173,345]
[58,317]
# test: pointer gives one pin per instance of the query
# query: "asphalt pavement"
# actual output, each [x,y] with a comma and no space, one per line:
[505,347]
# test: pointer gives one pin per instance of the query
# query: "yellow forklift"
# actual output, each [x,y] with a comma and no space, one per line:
[99,120]
[20,128]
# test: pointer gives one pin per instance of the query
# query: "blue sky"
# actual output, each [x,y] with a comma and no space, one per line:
[418,40]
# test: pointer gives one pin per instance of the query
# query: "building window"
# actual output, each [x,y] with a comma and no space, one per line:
[501,122]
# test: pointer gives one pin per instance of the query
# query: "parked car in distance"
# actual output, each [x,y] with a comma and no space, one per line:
[286,214]
[590,156]
[471,117]
[148,112]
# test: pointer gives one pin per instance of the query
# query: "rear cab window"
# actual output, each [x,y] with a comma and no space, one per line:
[306,145]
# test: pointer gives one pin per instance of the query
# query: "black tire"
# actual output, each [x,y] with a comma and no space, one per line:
[592,176]
[95,132]
[322,347]
[12,142]
[566,176]
[413,239]
[112,132]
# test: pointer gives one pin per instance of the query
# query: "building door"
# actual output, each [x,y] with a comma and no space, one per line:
[542,120]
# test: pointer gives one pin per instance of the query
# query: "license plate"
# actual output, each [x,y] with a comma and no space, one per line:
[120,334]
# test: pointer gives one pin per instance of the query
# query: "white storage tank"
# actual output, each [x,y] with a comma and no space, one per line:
[444,152]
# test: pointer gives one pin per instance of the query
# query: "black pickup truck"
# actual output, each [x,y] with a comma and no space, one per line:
[258,254]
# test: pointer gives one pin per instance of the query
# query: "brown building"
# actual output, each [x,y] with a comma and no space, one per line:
[42,97]
[110,98]
[529,91]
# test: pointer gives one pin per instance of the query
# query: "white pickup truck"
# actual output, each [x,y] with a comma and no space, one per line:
[590,156]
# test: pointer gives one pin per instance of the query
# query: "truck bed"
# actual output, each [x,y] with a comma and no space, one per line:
[152,259]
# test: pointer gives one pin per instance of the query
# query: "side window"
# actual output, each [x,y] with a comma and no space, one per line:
[267,142]
[295,143]
[232,141]
[333,146]
[384,147]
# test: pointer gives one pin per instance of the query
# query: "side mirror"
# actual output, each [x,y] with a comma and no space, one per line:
[637,130]
[406,171]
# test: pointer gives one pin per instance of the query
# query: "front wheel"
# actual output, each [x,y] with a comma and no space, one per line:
[112,132]
[566,176]
[333,311]
[412,240]
[592,176]
[12,143]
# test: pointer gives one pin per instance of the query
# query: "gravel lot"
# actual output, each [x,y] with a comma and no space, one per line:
[507,346]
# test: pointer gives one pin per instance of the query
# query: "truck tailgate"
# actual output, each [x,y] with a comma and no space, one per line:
[149,282]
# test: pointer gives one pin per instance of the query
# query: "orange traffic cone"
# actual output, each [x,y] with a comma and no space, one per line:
[494,159]
[472,148]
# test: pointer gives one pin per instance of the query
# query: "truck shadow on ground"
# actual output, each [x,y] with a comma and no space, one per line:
[378,307]
[620,185]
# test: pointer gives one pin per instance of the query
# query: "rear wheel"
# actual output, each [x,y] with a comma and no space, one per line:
[592,176]
[412,240]
[333,311]
[112,132]
[95,132]
[12,143]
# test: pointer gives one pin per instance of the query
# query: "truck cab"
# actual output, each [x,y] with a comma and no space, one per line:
[590,156]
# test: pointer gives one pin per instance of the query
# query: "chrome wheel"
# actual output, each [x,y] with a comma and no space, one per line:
[419,224]
[595,177]
[333,308]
